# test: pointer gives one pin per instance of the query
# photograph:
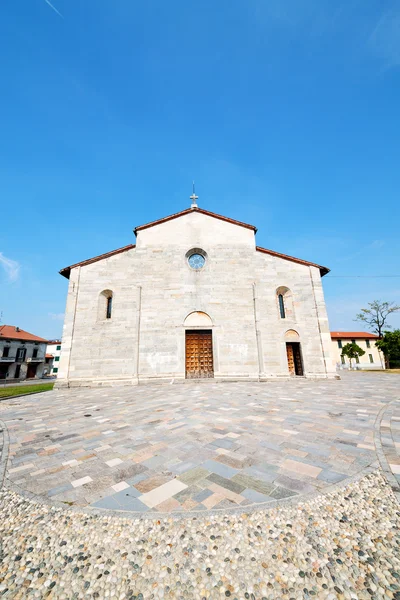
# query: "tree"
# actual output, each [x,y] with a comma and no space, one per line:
[390,346]
[376,315]
[352,351]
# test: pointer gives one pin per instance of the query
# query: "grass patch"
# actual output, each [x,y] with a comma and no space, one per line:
[5,391]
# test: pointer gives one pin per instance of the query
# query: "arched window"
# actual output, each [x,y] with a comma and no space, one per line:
[281,306]
[105,305]
[109,307]
[284,299]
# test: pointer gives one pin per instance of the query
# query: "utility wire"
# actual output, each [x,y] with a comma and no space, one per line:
[362,276]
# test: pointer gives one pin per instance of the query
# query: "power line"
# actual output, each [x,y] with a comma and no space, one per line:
[362,276]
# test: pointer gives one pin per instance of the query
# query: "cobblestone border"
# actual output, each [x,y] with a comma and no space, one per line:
[55,504]
[4,451]
[384,445]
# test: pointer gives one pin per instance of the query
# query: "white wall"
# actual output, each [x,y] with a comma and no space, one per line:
[365,362]
[52,349]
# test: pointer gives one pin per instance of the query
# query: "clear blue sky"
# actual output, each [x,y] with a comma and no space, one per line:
[286,113]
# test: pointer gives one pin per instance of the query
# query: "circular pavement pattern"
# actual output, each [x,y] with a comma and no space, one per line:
[193,447]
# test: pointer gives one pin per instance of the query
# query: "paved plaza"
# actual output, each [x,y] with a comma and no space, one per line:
[190,448]
[254,491]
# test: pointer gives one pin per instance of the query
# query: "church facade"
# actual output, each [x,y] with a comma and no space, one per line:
[194,298]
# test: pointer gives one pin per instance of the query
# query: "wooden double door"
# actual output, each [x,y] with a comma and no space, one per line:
[31,372]
[199,354]
[295,363]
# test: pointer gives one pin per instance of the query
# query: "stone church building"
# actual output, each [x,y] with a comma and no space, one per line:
[195,297]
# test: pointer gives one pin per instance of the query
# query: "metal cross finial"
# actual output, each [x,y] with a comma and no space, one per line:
[193,198]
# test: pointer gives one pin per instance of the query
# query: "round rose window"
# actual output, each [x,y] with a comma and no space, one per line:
[196,261]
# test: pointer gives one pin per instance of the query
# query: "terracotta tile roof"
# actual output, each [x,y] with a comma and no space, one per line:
[352,335]
[323,270]
[67,270]
[191,210]
[49,356]
[10,332]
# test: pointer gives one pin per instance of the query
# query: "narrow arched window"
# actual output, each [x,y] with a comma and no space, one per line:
[105,305]
[281,306]
[284,303]
[109,307]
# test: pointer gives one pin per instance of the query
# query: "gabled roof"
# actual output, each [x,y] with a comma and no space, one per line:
[323,270]
[352,335]
[189,211]
[10,332]
[67,270]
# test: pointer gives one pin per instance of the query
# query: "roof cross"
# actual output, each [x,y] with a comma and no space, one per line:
[194,198]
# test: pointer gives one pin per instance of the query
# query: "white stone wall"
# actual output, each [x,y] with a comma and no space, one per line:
[154,290]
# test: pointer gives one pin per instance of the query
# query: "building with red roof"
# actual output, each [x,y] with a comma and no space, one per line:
[372,359]
[22,354]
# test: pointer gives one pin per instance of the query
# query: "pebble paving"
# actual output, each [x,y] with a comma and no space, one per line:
[344,544]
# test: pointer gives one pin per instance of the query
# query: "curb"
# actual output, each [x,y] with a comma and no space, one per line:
[387,472]
[4,452]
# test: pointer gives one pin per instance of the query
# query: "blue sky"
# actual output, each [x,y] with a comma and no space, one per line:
[285,113]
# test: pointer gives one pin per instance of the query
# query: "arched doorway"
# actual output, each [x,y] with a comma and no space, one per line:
[198,346]
[293,353]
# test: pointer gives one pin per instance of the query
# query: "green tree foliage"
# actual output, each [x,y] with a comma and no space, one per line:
[390,346]
[352,351]
[376,315]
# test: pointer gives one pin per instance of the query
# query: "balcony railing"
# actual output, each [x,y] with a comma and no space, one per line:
[20,359]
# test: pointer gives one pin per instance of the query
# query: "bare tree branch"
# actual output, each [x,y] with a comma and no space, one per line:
[376,315]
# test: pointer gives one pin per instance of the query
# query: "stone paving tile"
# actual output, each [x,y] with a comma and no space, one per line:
[255,496]
[194,475]
[228,494]
[219,469]
[202,495]
[258,485]
[268,475]
[126,496]
[331,476]
[82,481]
[162,493]
[275,438]
[169,505]
[59,490]
[280,492]
[226,483]
[300,486]
[109,503]
[232,461]
[147,485]
[189,492]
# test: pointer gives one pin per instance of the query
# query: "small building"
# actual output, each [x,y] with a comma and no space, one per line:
[53,353]
[372,359]
[195,297]
[22,354]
